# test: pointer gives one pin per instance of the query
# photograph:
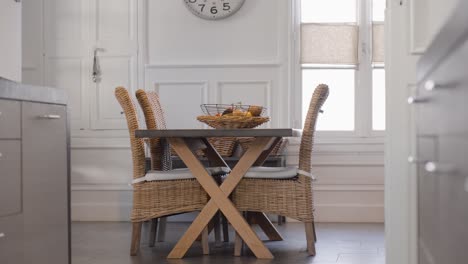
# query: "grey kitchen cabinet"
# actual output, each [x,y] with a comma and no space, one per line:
[11,239]
[441,116]
[10,186]
[34,175]
[45,183]
[10,119]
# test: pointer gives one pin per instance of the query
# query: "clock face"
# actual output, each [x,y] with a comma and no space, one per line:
[214,9]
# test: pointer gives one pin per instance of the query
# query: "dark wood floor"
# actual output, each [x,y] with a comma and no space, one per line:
[106,243]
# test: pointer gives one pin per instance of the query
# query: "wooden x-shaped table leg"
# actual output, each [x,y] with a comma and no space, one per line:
[219,198]
[252,217]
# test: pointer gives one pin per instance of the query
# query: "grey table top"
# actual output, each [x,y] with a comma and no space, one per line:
[197,133]
[22,92]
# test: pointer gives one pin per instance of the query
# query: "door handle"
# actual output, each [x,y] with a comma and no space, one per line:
[434,167]
[430,85]
[414,160]
[96,66]
[415,100]
[49,117]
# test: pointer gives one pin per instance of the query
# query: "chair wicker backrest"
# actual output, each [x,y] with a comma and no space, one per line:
[307,141]
[137,145]
[150,100]
[154,117]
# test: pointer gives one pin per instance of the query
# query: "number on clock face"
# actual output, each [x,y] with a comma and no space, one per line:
[214,9]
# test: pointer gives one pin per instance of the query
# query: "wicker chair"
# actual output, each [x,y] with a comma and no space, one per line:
[157,193]
[161,157]
[286,191]
[160,151]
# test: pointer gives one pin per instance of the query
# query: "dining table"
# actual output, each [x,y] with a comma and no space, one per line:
[186,142]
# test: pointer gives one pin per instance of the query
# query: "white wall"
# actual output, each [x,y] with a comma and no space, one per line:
[10,44]
[242,58]
[251,35]
[245,57]
[32,36]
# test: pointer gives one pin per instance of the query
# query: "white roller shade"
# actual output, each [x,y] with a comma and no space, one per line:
[329,43]
[378,43]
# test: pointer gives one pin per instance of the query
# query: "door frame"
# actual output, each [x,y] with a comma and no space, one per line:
[401,219]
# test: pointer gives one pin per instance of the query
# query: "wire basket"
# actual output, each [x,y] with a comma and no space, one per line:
[233,122]
[232,116]
[233,110]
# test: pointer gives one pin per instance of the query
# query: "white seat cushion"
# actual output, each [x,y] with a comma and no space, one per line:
[215,171]
[178,174]
[272,172]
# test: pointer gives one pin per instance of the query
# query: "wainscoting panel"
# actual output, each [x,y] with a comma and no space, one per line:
[250,84]
[181,102]
[349,186]
[101,167]
[246,92]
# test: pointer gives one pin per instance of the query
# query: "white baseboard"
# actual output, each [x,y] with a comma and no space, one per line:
[105,212]
[350,213]
[113,212]
[340,213]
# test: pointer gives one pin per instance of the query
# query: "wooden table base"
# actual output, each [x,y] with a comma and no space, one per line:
[220,196]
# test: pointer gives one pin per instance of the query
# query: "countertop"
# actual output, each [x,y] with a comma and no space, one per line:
[452,35]
[16,91]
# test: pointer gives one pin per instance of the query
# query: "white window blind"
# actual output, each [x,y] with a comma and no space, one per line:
[378,42]
[329,43]
[338,43]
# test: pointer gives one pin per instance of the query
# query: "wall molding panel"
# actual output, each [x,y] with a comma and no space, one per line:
[266,85]
[360,203]
[334,213]
[181,101]
[207,65]
[203,84]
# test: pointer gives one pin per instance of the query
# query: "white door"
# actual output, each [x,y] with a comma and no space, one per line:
[10,44]
[67,62]
[74,29]
[116,40]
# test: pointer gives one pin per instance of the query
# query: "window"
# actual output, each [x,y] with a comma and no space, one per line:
[342,46]
[326,11]
[378,99]
[378,71]
[342,81]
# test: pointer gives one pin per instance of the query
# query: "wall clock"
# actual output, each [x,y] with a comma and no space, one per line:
[214,9]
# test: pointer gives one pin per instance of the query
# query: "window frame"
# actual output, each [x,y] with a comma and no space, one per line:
[363,127]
